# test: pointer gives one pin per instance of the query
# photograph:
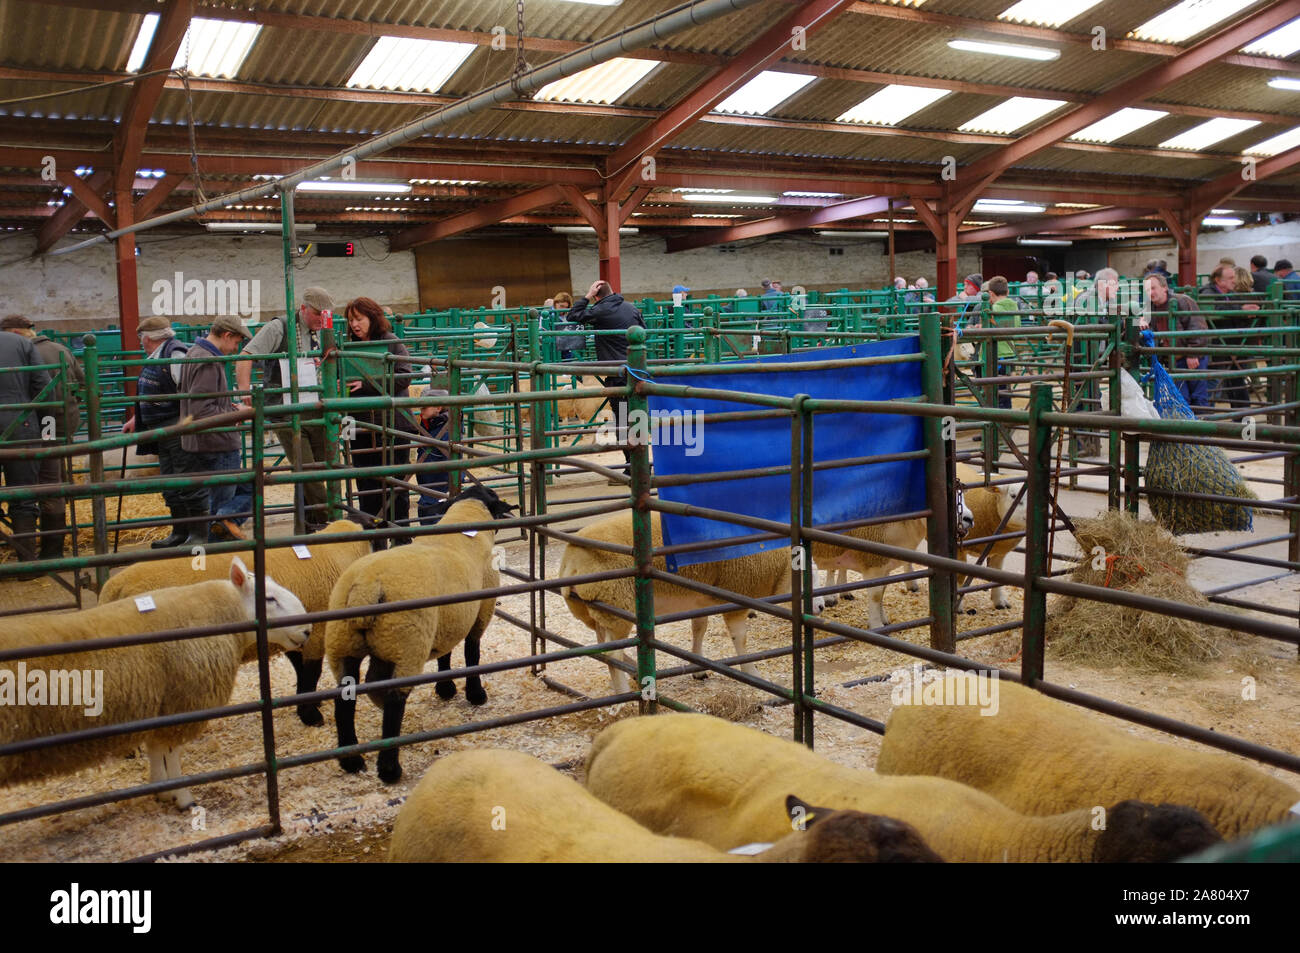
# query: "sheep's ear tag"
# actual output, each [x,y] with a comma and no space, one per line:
[470,532]
[144,604]
[802,810]
[1295,809]
[301,551]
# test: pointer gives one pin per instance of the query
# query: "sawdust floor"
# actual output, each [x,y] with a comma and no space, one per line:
[332,816]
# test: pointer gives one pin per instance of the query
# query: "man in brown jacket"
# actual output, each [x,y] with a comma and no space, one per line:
[208,395]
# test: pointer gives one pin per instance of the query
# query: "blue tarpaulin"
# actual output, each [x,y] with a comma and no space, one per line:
[839,495]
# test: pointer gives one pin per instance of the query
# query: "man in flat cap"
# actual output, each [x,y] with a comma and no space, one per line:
[314,314]
[215,451]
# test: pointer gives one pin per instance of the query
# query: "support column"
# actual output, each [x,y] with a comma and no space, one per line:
[608,244]
[1187,250]
[946,255]
[128,285]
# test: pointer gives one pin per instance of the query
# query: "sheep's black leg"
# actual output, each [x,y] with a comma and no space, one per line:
[295,659]
[308,679]
[474,692]
[445,689]
[345,717]
[390,769]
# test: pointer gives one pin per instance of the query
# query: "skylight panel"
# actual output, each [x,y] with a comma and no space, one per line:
[1187,19]
[216,47]
[1047,12]
[603,84]
[142,41]
[1016,113]
[1117,125]
[1016,50]
[893,104]
[398,62]
[1285,82]
[1279,143]
[1283,41]
[1208,133]
[763,93]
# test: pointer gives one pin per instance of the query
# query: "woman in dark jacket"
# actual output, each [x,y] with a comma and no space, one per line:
[367,322]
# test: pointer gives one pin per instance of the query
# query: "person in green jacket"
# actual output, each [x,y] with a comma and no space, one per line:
[1005,313]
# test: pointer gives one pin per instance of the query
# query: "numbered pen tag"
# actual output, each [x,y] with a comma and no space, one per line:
[145,603]
[470,532]
[302,552]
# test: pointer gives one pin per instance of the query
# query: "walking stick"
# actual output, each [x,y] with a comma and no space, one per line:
[117,530]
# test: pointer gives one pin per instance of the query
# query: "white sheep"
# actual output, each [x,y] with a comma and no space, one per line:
[311,579]
[905,534]
[492,805]
[139,681]
[398,644]
[987,506]
[756,575]
[702,777]
[1042,756]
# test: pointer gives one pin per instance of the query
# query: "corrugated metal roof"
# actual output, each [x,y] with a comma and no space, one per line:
[49,38]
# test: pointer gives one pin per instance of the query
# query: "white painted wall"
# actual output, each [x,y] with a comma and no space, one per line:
[648,271]
[1271,241]
[80,290]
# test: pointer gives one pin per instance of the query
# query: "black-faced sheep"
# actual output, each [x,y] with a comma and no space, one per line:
[139,681]
[399,644]
[756,575]
[697,776]
[311,579]
[507,807]
[1041,756]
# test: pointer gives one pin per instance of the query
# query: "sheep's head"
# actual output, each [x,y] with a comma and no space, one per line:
[965,518]
[280,603]
[1138,832]
[826,835]
[498,507]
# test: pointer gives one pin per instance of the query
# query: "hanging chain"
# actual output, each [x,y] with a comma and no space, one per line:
[521,66]
[184,74]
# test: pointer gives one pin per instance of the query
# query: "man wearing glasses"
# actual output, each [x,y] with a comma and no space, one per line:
[314,314]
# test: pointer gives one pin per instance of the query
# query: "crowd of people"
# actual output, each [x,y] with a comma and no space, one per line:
[189,382]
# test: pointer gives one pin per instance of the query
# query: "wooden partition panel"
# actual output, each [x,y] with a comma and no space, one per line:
[463,273]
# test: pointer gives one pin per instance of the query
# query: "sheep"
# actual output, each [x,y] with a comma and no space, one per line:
[988,505]
[699,776]
[905,534]
[138,681]
[399,643]
[581,409]
[756,575]
[1041,756]
[493,805]
[309,579]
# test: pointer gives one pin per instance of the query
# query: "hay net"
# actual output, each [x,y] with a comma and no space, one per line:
[1180,469]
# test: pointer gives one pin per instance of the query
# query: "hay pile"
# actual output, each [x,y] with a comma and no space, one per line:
[1142,557]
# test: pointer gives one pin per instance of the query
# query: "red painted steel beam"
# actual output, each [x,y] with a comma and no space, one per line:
[631,203]
[838,212]
[149,202]
[128,144]
[624,164]
[1033,226]
[478,218]
[594,217]
[1027,32]
[90,198]
[1219,190]
[73,211]
[976,177]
